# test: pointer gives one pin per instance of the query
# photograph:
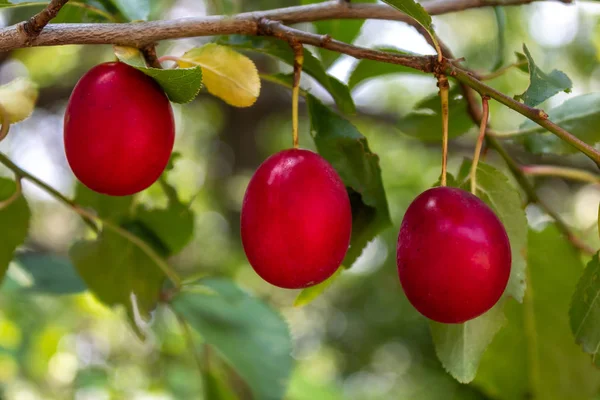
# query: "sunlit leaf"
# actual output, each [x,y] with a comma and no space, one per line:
[312,66]
[226,73]
[112,208]
[460,346]
[542,86]
[18,99]
[414,10]
[181,85]
[253,338]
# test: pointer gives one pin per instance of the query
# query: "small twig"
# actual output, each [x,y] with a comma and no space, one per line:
[482,129]
[561,172]
[34,26]
[444,88]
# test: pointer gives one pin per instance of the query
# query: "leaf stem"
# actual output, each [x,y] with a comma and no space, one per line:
[444,87]
[479,145]
[298,61]
[561,172]
[501,71]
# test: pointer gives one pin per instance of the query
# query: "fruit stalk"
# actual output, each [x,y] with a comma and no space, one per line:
[444,86]
[298,61]
[482,128]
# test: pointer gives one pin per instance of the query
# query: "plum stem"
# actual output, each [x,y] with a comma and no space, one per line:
[15,196]
[444,86]
[482,128]
[298,61]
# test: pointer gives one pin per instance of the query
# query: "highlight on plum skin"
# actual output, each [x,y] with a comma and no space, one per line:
[453,255]
[296,219]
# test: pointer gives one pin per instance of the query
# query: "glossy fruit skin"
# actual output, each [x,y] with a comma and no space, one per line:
[118,130]
[453,255]
[296,219]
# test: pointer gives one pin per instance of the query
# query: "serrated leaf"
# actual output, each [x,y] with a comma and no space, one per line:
[460,346]
[249,335]
[312,66]
[425,122]
[585,310]
[311,293]
[15,220]
[118,273]
[340,143]
[49,274]
[535,355]
[133,10]
[414,10]
[227,74]
[542,86]
[18,98]
[367,69]
[344,30]
[505,200]
[579,115]
[181,85]
[111,208]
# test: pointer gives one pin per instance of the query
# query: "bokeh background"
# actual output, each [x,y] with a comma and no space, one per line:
[361,339]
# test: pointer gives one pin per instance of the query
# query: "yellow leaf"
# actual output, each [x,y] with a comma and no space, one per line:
[226,73]
[18,99]
[130,55]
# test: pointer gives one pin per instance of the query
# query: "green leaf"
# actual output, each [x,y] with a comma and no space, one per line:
[20,3]
[585,310]
[181,85]
[367,69]
[309,294]
[500,15]
[15,222]
[312,66]
[133,10]
[522,59]
[118,273]
[216,387]
[340,143]
[579,115]
[344,30]
[49,274]
[414,10]
[535,355]
[173,225]
[460,346]
[251,337]
[111,208]
[542,86]
[425,122]
[496,191]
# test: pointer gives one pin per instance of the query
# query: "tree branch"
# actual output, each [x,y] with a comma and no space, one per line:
[34,26]
[140,34]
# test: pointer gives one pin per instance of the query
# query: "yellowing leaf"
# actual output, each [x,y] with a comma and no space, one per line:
[226,73]
[18,98]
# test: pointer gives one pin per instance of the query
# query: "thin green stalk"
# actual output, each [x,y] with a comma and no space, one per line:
[561,172]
